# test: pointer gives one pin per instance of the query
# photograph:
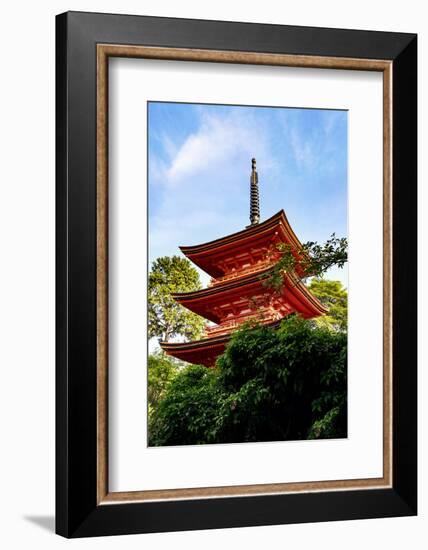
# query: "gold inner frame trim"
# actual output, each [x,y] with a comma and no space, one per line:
[104,51]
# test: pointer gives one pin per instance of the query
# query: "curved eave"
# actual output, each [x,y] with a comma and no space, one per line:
[199,300]
[294,292]
[203,342]
[203,254]
[203,352]
[196,344]
[220,288]
[316,308]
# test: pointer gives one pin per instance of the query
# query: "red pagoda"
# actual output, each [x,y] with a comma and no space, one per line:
[239,265]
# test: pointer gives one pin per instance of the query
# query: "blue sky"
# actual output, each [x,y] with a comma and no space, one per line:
[200,164]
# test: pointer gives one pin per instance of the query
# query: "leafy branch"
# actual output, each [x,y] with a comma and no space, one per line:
[312,260]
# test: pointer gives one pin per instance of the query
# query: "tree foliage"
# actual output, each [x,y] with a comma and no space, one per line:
[167,318]
[161,371]
[281,382]
[312,260]
[333,295]
[269,385]
[186,415]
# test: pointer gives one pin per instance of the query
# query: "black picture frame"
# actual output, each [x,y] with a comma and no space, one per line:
[77,511]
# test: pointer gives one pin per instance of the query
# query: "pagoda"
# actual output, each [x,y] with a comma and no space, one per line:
[239,265]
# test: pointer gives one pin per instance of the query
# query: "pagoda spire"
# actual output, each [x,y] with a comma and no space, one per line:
[254,195]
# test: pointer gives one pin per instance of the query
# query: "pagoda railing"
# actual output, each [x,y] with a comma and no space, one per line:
[232,324]
[238,273]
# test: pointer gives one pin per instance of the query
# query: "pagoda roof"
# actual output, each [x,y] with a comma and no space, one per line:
[204,351]
[205,255]
[201,301]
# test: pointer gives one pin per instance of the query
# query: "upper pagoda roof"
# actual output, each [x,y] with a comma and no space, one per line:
[207,255]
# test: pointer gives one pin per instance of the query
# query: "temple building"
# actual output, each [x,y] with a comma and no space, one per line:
[239,265]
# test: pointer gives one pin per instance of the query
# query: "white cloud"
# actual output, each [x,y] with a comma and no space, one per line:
[311,148]
[303,149]
[331,121]
[217,142]
[202,184]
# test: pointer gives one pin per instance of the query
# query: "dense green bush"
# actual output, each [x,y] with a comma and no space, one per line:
[283,384]
[270,384]
[186,415]
[160,373]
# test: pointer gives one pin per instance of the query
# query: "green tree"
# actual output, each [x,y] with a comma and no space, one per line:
[283,383]
[334,296]
[269,385]
[312,260]
[186,415]
[161,371]
[167,318]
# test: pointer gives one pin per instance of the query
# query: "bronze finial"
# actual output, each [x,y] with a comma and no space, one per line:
[254,195]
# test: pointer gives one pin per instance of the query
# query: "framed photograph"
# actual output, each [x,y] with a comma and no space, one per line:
[236,274]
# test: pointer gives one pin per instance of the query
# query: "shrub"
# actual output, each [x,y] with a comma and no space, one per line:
[271,384]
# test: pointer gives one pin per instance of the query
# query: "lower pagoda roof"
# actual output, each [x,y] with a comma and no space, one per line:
[200,352]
